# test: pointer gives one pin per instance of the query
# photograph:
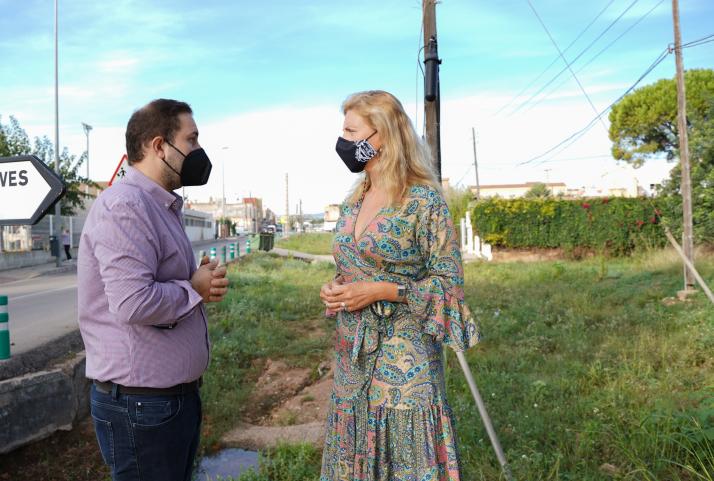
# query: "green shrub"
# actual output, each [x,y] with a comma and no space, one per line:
[615,226]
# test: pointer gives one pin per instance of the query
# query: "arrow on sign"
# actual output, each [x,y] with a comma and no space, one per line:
[28,189]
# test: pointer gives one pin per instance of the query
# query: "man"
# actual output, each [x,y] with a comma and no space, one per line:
[67,243]
[141,302]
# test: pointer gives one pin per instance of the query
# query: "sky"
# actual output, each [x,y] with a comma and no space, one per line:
[266,81]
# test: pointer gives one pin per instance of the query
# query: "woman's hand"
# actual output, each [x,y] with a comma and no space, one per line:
[358,295]
[327,292]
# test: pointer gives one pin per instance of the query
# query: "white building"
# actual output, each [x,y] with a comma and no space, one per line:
[332,214]
[198,225]
[513,191]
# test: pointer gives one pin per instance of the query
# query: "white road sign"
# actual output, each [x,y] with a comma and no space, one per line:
[28,189]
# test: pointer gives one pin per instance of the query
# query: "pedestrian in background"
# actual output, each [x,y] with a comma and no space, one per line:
[398,298]
[141,302]
[67,243]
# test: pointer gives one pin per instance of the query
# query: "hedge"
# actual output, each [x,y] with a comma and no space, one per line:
[616,226]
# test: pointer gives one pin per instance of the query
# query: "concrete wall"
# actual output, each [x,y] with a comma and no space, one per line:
[33,406]
[15,260]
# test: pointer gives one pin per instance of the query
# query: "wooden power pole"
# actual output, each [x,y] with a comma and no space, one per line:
[478,184]
[431,83]
[687,234]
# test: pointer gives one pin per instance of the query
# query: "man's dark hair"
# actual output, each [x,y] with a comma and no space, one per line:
[158,118]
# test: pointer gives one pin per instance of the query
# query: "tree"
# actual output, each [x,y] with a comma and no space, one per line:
[15,141]
[643,125]
[538,191]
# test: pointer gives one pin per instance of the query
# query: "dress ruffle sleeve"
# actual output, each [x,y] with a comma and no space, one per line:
[437,296]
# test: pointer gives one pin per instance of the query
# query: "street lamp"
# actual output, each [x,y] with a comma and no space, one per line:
[223,183]
[58,208]
[87,128]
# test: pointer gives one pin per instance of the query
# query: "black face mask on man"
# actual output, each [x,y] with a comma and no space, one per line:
[355,155]
[196,167]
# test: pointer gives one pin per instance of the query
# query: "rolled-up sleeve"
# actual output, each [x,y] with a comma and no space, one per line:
[127,251]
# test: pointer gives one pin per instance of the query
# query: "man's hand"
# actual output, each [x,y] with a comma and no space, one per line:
[210,281]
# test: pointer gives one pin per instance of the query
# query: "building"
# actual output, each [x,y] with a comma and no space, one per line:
[246,215]
[198,225]
[332,214]
[512,191]
[37,237]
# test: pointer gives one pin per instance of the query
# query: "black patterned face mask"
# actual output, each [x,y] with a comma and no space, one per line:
[355,155]
[196,167]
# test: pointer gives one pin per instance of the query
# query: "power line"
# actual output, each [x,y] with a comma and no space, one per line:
[701,41]
[577,57]
[592,59]
[554,60]
[575,136]
[567,65]
[465,174]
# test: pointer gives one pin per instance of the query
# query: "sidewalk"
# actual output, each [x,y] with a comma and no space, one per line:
[24,273]
[302,255]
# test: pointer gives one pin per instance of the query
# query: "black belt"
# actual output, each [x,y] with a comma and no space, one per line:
[109,388]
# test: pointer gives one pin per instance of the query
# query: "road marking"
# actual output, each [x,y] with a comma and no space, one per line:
[15,298]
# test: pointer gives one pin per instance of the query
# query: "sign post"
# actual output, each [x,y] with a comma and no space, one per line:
[28,190]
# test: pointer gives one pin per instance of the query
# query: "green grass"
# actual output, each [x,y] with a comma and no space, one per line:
[261,317]
[319,243]
[299,462]
[582,365]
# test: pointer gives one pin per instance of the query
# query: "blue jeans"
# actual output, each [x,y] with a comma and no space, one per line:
[147,438]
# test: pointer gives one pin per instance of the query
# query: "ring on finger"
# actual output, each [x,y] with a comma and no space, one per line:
[343,305]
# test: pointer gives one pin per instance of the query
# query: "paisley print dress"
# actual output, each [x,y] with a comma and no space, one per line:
[389,419]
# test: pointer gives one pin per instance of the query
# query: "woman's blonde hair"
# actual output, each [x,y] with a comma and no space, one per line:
[404,159]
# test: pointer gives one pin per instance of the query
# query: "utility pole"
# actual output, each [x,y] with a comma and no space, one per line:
[687,235]
[432,97]
[478,184]
[287,206]
[300,217]
[87,128]
[58,208]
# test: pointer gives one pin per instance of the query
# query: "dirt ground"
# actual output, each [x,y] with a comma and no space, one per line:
[298,409]
[64,456]
[288,403]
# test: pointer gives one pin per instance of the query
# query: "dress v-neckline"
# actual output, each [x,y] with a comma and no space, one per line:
[366,226]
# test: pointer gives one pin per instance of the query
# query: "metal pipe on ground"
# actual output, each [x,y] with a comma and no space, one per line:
[485,417]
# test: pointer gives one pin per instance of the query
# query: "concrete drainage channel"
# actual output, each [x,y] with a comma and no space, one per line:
[42,391]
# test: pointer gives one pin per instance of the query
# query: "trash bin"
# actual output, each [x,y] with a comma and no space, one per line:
[54,246]
[266,241]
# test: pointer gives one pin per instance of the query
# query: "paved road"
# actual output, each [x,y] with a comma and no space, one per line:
[41,309]
[45,308]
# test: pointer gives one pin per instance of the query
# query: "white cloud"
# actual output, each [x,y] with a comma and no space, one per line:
[118,63]
[264,145]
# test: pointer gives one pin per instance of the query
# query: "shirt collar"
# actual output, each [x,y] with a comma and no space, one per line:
[169,200]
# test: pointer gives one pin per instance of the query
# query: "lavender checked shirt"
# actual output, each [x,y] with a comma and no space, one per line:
[134,270]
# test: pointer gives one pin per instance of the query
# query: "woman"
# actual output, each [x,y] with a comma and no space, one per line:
[397,296]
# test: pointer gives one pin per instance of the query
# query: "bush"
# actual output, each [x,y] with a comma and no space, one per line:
[615,226]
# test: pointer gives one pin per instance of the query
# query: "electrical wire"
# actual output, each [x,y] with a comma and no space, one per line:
[592,59]
[530,84]
[575,136]
[565,61]
[577,57]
